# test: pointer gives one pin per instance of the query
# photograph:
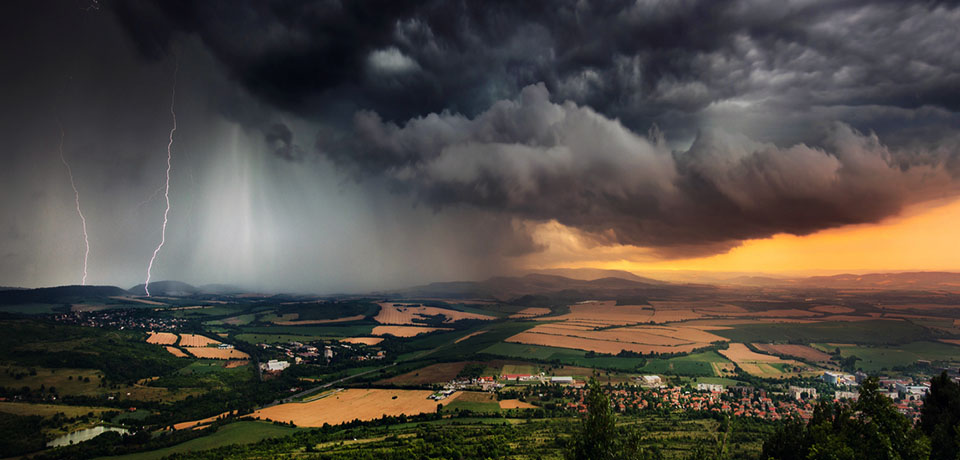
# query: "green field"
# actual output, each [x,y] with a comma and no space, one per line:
[349,330]
[876,358]
[472,406]
[234,433]
[697,364]
[564,355]
[862,332]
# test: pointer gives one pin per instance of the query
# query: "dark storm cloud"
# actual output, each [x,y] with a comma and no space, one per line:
[539,160]
[633,59]
[774,97]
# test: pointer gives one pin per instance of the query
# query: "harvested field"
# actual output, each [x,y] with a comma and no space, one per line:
[461,339]
[640,339]
[756,364]
[606,313]
[404,331]
[199,423]
[400,313]
[196,340]
[515,404]
[236,363]
[531,312]
[951,341]
[434,373]
[176,352]
[318,321]
[216,353]
[363,340]
[738,352]
[362,404]
[797,351]
[835,309]
[162,338]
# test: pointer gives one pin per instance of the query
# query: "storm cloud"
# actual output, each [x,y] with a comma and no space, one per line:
[540,160]
[336,144]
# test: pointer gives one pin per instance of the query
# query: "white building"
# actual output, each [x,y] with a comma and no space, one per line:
[562,380]
[711,387]
[275,366]
[650,380]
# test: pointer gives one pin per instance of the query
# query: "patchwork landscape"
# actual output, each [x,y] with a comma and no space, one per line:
[198,371]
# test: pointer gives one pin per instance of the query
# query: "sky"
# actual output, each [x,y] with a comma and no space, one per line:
[326,146]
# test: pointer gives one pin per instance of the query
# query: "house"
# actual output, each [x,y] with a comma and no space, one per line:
[562,380]
[650,380]
[798,392]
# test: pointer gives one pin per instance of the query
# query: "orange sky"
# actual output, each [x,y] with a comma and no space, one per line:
[925,237]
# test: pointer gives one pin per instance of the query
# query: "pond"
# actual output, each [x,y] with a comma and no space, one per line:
[84,435]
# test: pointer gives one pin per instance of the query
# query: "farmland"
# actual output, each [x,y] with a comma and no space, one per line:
[409,314]
[352,404]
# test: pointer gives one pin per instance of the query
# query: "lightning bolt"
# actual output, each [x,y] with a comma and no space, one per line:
[76,194]
[166,188]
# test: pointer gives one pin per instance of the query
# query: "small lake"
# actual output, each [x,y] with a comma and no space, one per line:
[84,435]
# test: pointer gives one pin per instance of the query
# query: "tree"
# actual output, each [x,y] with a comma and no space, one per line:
[600,438]
[870,428]
[940,418]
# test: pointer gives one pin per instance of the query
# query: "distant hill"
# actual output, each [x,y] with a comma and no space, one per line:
[945,281]
[590,274]
[216,289]
[505,288]
[165,288]
[60,294]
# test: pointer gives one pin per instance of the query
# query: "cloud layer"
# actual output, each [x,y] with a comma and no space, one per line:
[539,160]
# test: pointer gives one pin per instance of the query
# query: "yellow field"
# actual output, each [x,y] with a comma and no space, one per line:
[756,364]
[639,339]
[404,331]
[363,340]
[162,338]
[216,353]
[515,404]
[400,313]
[345,406]
[176,352]
[196,340]
[199,423]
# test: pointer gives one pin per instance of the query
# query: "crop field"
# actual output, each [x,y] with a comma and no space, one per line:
[515,404]
[696,364]
[835,309]
[216,353]
[196,340]
[474,401]
[756,364]
[404,331]
[235,433]
[334,330]
[877,358]
[176,352]
[472,334]
[875,331]
[363,340]
[193,424]
[531,312]
[362,404]
[306,322]
[797,351]
[161,338]
[434,373]
[409,314]
[49,410]
[639,339]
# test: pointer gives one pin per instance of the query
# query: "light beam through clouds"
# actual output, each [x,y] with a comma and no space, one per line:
[166,189]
